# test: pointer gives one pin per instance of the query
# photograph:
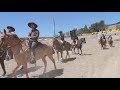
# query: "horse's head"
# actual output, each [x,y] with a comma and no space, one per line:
[9,39]
[83,40]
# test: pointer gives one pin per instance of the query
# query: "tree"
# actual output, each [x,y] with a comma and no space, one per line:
[85,29]
[102,25]
[118,27]
[97,26]
[80,31]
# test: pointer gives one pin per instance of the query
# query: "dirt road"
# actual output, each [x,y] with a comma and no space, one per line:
[94,63]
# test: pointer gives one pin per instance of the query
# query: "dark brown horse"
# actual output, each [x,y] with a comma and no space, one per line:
[103,43]
[5,54]
[79,45]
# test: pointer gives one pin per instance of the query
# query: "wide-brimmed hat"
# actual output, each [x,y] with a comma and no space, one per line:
[30,23]
[60,32]
[10,27]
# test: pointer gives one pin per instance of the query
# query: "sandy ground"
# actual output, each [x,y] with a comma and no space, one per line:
[94,63]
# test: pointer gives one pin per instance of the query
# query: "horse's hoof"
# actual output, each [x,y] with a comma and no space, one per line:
[4,74]
[21,68]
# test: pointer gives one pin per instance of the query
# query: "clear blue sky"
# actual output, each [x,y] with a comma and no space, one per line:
[65,21]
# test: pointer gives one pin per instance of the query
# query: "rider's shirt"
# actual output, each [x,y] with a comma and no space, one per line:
[34,35]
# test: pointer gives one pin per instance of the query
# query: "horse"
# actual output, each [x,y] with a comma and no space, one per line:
[22,56]
[110,42]
[57,44]
[78,45]
[5,54]
[103,43]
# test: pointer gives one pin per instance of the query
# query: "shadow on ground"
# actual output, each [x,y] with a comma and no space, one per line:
[87,54]
[51,74]
[67,60]
[20,73]
[105,48]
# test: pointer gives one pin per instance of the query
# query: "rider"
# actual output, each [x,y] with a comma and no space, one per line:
[110,37]
[74,37]
[33,40]
[61,36]
[11,30]
[103,37]
[99,36]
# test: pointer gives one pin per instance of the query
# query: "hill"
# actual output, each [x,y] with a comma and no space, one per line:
[113,26]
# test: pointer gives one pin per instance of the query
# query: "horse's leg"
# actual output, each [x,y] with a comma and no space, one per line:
[35,64]
[111,44]
[3,67]
[14,71]
[45,64]
[71,49]
[61,54]
[81,51]
[101,46]
[78,50]
[26,70]
[52,59]
[74,49]
[21,68]
[68,54]
[58,55]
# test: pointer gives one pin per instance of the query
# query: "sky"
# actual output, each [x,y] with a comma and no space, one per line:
[64,21]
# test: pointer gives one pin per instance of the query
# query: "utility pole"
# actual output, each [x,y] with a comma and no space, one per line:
[54,26]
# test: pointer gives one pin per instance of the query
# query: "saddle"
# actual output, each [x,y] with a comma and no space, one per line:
[28,44]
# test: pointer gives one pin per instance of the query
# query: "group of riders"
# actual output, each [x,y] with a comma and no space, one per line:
[33,37]
[103,37]
[73,35]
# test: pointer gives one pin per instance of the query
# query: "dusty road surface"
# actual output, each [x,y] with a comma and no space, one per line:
[94,63]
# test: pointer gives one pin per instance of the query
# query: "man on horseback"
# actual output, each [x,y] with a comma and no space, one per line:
[74,36]
[110,41]
[110,37]
[11,30]
[33,40]
[104,38]
[98,37]
[61,36]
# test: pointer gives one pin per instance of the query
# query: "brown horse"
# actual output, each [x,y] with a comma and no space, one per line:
[79,45]
[22,56]
[103,43]
[60,48]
